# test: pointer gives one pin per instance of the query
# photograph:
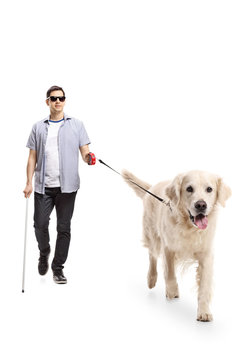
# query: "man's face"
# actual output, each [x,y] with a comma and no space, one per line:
[56,106]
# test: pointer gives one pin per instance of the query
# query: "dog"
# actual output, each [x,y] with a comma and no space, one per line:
[182,232]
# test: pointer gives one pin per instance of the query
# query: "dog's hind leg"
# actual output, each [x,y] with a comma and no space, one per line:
[152,272]
[169,274]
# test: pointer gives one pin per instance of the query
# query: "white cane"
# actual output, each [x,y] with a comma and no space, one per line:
[25,246]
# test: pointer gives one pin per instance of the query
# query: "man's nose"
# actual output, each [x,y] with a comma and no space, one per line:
[201,205]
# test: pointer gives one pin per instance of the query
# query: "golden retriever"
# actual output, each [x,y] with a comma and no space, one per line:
[184,231]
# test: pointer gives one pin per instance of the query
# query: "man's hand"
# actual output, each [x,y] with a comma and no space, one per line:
[86,155]
[28,190]
[91,159]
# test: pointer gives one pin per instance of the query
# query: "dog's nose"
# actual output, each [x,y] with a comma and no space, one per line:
[201,205]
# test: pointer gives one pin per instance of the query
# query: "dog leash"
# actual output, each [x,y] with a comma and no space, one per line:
[167,203]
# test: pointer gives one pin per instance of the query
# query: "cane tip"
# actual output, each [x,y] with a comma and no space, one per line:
[22,291]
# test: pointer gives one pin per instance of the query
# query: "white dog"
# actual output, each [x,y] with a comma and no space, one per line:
[184,231]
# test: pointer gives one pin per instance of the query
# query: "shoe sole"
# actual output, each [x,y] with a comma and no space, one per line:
[60,281]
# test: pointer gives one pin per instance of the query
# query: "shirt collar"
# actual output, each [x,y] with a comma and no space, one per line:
[65,116]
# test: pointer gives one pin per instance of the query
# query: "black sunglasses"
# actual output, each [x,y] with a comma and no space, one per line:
[54,98]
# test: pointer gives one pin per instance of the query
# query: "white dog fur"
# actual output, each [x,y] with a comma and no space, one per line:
[185,232]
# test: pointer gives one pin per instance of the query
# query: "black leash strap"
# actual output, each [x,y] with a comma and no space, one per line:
[102,162]
[167,203]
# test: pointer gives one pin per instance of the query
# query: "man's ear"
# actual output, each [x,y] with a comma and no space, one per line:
[47,102]
[173,190]
[223,192]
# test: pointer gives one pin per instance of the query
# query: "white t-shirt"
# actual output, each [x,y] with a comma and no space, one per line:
[52,173]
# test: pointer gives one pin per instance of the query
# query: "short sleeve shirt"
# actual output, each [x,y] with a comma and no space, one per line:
[71,136]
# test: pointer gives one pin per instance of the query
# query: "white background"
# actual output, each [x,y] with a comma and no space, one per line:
[156,84]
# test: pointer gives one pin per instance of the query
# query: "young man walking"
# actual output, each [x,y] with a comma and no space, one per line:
[54,145]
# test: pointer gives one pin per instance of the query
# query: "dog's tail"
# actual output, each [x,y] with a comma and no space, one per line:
[131,179]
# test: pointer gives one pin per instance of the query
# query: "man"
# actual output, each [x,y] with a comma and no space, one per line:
[54,145]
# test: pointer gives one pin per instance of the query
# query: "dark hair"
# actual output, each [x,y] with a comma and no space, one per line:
[54,88]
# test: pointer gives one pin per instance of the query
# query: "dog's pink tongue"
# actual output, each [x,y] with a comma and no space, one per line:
[201,222]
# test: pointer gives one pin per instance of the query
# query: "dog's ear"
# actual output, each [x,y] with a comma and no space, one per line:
[173,190]
[223,192]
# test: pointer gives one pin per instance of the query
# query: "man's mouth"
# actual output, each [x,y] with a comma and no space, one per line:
[200,221]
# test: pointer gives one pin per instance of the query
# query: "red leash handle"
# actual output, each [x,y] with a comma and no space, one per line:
[92,159]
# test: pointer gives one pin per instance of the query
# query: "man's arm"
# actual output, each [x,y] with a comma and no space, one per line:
[32,160]
[85,152]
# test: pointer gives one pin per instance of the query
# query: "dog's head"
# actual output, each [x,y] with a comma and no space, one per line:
[195,195]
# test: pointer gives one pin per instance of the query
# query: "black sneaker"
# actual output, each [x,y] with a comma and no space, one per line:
[43,264]
[59,277]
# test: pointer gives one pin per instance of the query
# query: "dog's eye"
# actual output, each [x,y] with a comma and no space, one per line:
[209,189]
[189,189]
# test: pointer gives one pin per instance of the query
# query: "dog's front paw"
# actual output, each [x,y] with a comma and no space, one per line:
[204,317]
[172,291]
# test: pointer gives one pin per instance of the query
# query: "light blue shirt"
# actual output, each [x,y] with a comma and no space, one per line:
[71,136]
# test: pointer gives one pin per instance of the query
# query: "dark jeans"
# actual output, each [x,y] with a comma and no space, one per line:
[43,206]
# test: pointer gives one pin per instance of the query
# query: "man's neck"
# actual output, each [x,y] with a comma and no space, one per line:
[56,116]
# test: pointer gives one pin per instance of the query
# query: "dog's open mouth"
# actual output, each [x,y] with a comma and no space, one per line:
[200,221]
